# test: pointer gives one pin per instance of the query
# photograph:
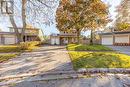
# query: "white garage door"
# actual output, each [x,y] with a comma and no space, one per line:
[9,40]
[122,39]
[107,40]
[55,41]
[52,41]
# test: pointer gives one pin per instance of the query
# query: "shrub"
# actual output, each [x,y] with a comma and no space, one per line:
[28,45]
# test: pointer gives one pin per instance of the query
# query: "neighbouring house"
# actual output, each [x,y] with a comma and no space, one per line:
[115,36]
[31,34]
[120,38]
[65,37]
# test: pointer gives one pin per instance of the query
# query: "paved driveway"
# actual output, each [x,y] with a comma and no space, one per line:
[45,59]
[122,49]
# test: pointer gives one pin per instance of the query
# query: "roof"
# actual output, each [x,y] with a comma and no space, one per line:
[116,32]
[54,34]
[7,33]
[26,28]
[62,35]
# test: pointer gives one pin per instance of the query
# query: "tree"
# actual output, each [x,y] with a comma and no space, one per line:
[30,12]
[122,26]
[81,15]
[11,17]
[122,21]
[23,19]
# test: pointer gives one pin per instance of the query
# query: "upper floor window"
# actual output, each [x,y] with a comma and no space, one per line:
[6,7]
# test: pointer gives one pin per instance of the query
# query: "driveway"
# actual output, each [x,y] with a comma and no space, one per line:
[44,59]
[121,49]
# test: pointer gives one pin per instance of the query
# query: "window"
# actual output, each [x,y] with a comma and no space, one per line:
[7,7]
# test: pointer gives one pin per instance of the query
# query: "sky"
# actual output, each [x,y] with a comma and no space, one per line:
[113,5]
[4,24]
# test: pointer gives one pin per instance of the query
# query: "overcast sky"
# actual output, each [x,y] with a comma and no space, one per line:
[52,29]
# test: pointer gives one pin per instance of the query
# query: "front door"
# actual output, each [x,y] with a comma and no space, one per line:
[64,41]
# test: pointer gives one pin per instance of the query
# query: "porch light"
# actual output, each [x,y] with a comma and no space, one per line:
[7,6]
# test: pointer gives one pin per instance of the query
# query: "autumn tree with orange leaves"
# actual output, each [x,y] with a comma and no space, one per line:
[82,15]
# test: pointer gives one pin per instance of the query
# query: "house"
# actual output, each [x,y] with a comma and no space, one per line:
[31,34]
[120,38]
[116,37]
[7,38]
[65,37]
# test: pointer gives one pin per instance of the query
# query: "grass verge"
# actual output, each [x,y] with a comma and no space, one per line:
[9,48]
[99,60]
[15,48]
[80,47]
[6,57]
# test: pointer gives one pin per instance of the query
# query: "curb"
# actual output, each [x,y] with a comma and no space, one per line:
[105,70]
[80,71]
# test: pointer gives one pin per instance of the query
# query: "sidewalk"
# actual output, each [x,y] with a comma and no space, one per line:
[95,80]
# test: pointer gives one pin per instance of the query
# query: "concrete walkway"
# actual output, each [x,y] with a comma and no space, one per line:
[45,59]
[121,49]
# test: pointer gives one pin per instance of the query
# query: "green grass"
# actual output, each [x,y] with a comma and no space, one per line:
[22,47]
[9,48]
[14,48]
[6,57]
[80,47]
[99,60]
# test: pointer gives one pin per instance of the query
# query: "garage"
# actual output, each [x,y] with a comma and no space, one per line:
[107,40]
[122,39]
[116,38]
[55,40]
[9,40]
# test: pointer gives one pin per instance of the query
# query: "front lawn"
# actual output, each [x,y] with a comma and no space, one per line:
[5,57]
[9,48]
[80,47]
[24,46]
[99,60]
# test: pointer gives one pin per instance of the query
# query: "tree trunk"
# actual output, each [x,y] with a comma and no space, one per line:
[91,37]
[23,19]
[78,36]
[15,28]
